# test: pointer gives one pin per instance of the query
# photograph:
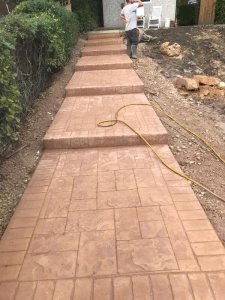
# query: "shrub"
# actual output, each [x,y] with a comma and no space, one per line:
[10,107]
[89,13]
[220,12]
[35,41]
[68,21]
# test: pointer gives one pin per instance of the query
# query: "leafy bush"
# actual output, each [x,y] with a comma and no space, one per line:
[68,21]
[89,13]
[220,12]
[10,107]
[35,41]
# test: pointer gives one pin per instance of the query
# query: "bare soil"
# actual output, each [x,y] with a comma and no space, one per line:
[16,171]
[202,53]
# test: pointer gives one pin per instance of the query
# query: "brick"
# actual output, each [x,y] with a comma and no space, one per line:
[212,263]
[57,205]
[82,205]
[108,41]
[83,289]
[133,256]
[208,248]
[125,180]
[45,290]
[149,213]
[8,290]
[22,222]
[217,282]
[26,291]
[90,220]
[127,225]
[122,288]
[144,178]
[154,196]
[106,181]
[161,287]
[197,225]
[14,245]
[50,226]
[202,236]
[85,187]
[9,273]
[118,199]
[200,287]
[54,243]
[11,258]
[63,290]
[97,253]
[180,287]
[103,289]
[192,215]
[55,265]
[191,205]
[153,229]
[18,233]
[141,288]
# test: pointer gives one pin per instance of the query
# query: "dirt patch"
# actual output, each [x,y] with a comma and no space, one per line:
[16,171]
[201,47]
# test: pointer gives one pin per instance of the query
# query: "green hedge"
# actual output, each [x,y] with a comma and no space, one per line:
[220,12]
[89,13]
[35,41]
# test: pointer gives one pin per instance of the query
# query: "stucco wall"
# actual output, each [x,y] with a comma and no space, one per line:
[111,11]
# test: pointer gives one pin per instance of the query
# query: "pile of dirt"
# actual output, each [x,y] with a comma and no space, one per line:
[201,47]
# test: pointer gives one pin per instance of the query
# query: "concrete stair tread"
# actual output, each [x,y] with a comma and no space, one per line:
[104,50]
[99,42]
[101,82]
[104,62]
[75,125]
[103,34]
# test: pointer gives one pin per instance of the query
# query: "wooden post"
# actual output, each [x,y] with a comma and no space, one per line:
[207,12]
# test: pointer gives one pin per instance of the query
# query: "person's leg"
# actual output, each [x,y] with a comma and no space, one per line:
[128,43]
[134,42]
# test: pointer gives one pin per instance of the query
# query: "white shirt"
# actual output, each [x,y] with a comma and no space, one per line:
[129,11]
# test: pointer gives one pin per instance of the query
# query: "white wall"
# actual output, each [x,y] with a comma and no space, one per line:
[111,11]
[168,10]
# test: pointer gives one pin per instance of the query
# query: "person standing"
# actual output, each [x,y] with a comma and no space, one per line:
[129,15]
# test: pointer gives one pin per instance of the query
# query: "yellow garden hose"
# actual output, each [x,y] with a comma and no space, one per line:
[112,122]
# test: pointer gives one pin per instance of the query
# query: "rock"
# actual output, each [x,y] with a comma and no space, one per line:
[170,50]
[189,83]
[217,93]
[221,85]
[207,80]
[184,94]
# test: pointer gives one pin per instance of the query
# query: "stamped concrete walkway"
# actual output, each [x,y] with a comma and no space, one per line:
[101,218]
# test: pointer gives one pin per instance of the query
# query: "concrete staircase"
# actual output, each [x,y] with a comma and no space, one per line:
[102,218]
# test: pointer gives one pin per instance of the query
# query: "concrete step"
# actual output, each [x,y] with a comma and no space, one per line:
[104,62]
[103,34]
[103,41]
[75,125]
[104,50]
[104,82]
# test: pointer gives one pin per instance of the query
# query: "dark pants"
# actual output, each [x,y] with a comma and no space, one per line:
[132,37]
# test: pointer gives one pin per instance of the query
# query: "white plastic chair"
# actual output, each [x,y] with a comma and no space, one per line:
[155,17]
[140,17]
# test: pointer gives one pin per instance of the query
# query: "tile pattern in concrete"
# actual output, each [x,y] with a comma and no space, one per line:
[75,125]
[104,82]
[104,62]
[109,222]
